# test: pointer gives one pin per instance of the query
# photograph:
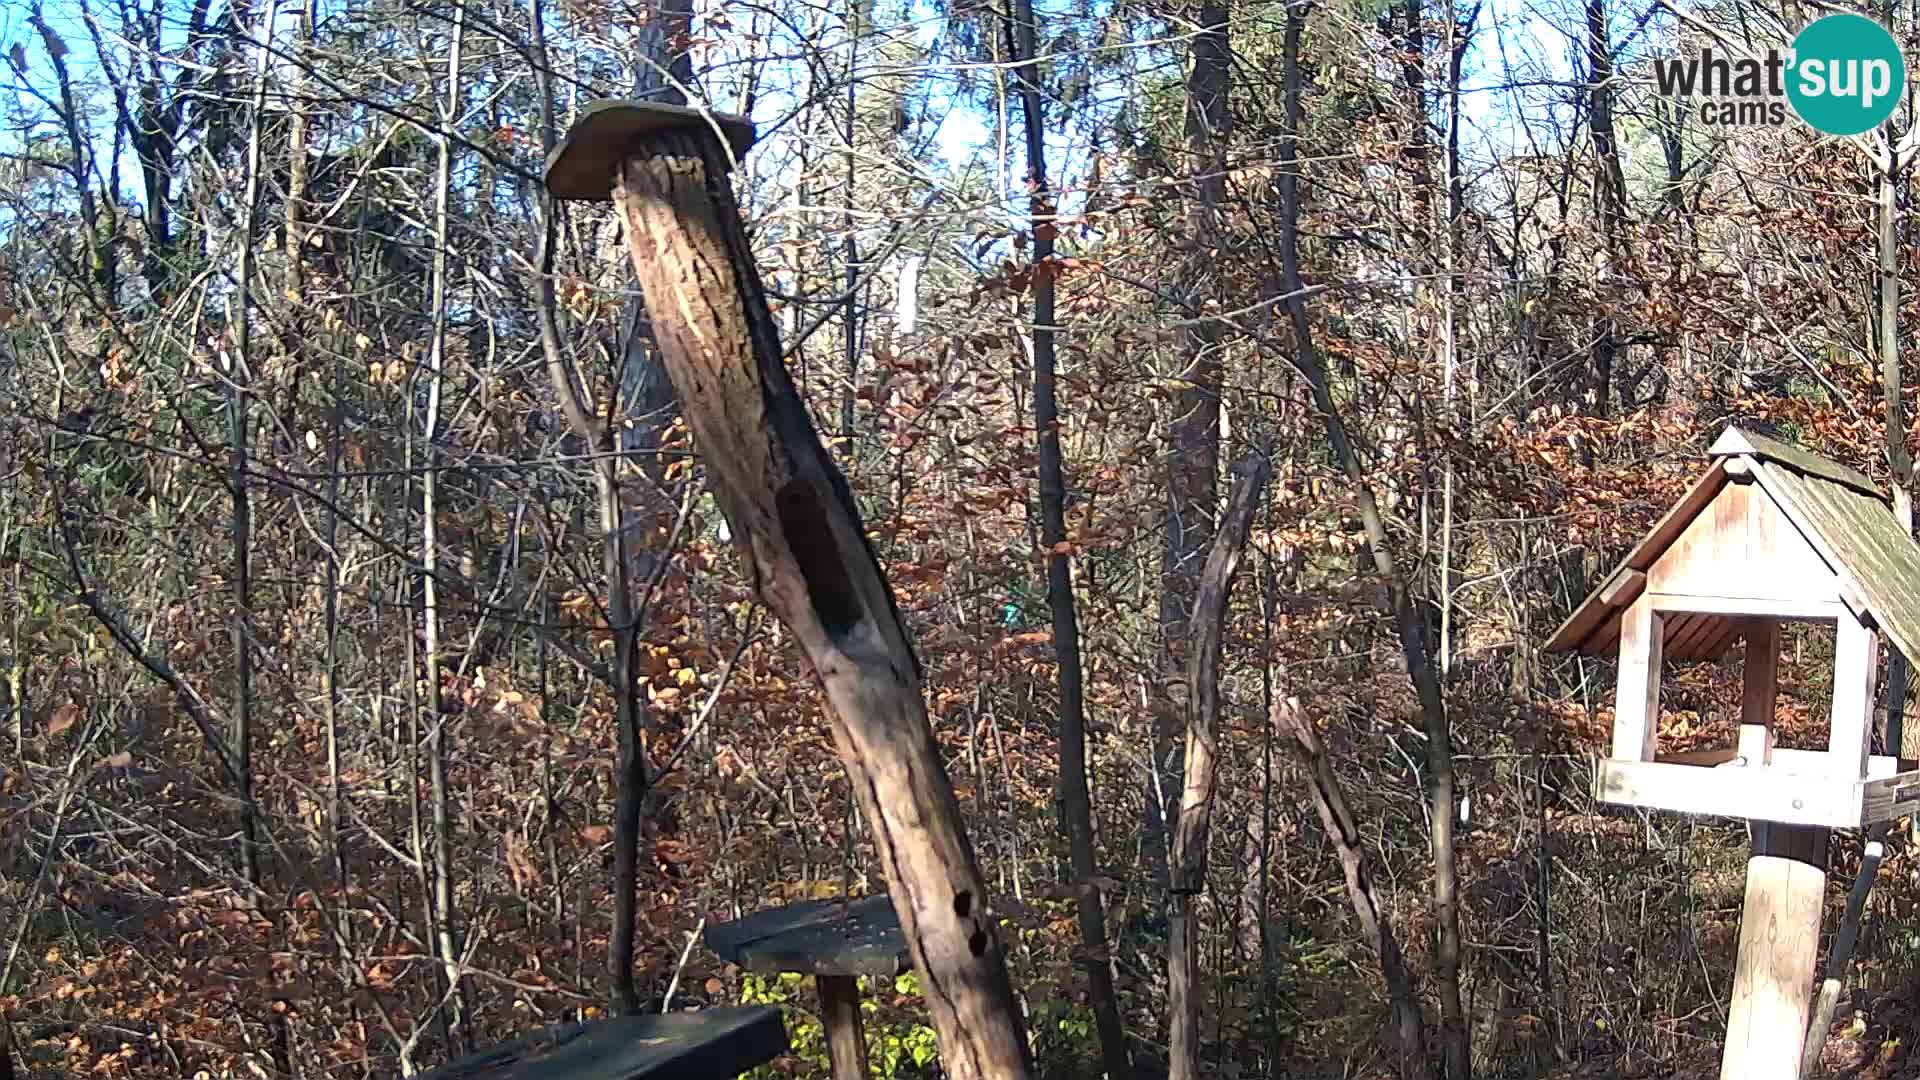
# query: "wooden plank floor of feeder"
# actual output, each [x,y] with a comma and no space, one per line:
[1762,793]
[813,938]
[709,1043]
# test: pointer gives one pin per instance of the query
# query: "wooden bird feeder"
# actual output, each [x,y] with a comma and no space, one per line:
[1770,534]
[836,942]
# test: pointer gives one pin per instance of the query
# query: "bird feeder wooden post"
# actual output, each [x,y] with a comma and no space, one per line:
[1769,534]
[794,520]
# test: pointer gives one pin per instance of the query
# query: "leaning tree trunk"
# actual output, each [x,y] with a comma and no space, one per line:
[795,521]
[1407,1043]
[1414,646]
[1196,795]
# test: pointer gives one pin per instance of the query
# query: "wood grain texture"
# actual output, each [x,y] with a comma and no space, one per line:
[1758,793]
[1779,941]
[1759,689]
[796,524]
[840,1015]
[1636,709]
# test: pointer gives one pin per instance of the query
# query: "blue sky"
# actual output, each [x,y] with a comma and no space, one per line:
[1511,32]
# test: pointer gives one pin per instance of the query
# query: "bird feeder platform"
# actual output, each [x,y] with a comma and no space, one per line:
[707,1043]
[1770,534]
[835,941]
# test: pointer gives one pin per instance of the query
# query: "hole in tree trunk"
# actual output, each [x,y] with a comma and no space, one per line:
[810,538]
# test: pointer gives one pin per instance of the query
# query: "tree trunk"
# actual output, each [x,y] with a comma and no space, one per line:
[239,398]
[796,522]
[662,71]
[1611,188]
[617,565]
[1193,442]
[1407,1045]
[1189,866]
[1076,801]
[439,716]
[1415,648]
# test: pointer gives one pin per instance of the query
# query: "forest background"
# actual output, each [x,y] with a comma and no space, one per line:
[317,760]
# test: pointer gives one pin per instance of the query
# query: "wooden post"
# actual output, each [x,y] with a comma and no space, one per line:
[796,524]
[1780,916]
[840,1015]
[1779,940]
[1636,709]
[1856,654]
[1759,685]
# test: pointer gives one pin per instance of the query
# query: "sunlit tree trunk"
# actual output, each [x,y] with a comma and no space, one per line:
[1193,442]
[239,398]
[445,942]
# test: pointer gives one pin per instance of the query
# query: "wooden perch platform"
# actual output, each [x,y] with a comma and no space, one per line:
[1796,787]
[836,942]
[582,166]
[813,938]
[796,524]
[708,1043]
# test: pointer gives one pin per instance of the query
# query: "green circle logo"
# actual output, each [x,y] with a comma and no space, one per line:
[1847,74]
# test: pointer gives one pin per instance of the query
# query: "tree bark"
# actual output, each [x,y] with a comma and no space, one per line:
[1189,868]
[1076,800]
[796,522]
[1414,646]
[239,398]
[440,794]
[1193,450]
[1611,188]
[1407,1042]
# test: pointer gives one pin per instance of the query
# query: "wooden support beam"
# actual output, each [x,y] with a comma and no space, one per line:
[840,1015]
[1770,607]
[1636,712]
[1759,687]
[1779,940]
[1856,654]
[1760,793]
[1624,588]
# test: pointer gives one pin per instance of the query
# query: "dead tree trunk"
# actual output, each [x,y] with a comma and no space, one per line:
[797,525]
[1189,866]
[1408,1042]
